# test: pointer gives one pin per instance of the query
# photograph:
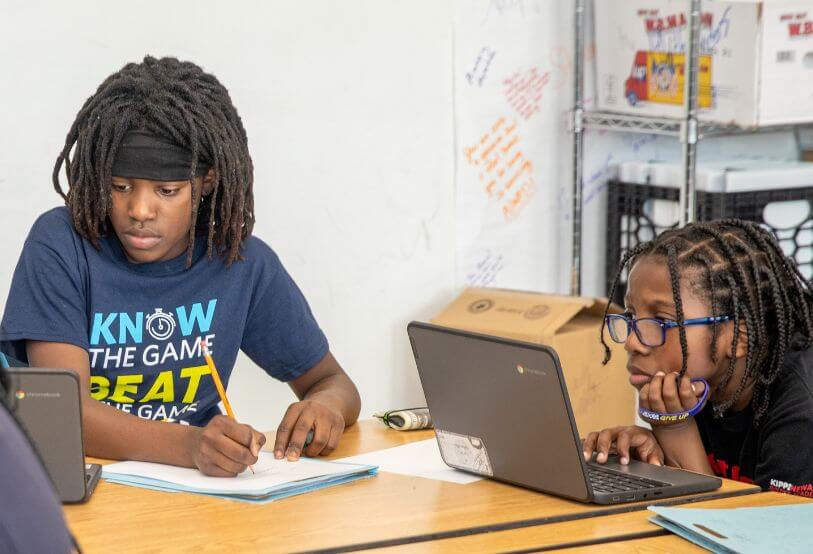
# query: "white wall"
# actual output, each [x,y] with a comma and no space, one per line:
[349,111]
[348,108]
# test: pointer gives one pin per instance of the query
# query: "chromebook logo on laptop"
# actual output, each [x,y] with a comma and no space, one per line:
[20,394]
[522,370]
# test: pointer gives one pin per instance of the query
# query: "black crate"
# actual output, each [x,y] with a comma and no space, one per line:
[629,225]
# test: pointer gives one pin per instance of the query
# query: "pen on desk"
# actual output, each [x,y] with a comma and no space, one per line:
[218,383]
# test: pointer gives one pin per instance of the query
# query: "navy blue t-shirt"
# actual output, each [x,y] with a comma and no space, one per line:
[142,323]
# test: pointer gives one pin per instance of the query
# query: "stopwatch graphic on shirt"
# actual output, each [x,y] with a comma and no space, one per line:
[160,325]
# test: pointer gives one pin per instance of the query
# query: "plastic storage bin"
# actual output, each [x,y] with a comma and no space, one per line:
[637,213]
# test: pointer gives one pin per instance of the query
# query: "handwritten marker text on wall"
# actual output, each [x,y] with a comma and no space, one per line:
[503,168]
[482,64]
[523,91]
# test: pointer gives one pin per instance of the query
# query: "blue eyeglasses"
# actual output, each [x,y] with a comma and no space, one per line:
[651,331]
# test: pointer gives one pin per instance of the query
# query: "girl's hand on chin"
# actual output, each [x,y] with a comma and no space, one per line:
[670,393]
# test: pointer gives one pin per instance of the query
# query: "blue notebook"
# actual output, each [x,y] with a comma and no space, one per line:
[271,479]
[764,529]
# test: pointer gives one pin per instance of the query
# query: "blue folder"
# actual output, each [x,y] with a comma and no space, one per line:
[764,529]
[301,488]
[353,472]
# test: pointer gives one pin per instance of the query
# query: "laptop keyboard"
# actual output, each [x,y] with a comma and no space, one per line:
[604,480]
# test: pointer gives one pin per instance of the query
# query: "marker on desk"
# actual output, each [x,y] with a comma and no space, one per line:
[308,441]
[218,383]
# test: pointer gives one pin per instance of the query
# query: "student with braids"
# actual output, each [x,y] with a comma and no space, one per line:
[719,301]
[152,252]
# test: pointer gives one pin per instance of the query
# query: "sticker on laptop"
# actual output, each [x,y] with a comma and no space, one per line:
[464,452]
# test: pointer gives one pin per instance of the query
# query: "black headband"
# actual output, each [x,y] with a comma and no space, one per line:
[142,155]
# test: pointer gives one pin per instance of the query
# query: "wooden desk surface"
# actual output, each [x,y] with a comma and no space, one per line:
[653,545]
[613,527]
[381,508]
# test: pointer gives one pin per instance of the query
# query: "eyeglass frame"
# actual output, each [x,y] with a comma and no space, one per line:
[665,324]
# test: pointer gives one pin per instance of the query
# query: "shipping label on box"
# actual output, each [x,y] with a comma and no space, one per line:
[747,60]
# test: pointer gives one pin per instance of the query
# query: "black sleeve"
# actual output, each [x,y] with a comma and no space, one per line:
[785,457]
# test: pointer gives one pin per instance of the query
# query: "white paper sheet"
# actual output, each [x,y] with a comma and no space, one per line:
[417,459]
[512,73]
[514,175]
[268,473]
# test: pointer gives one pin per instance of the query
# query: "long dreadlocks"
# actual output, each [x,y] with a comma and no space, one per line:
[181,103]
[744,274]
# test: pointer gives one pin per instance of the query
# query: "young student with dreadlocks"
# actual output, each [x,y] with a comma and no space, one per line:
[153,252]
[718,301]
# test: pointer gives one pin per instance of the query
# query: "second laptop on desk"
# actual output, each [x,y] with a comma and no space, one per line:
[501,409]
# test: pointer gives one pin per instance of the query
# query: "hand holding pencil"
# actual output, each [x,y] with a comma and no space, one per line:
[224,448]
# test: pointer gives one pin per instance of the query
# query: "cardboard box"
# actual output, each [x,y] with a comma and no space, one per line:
[756,59]
[601,396]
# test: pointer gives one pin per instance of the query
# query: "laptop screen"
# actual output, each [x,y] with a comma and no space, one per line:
[47,404]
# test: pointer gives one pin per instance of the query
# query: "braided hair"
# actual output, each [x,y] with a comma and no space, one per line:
[745,275]
[181,103]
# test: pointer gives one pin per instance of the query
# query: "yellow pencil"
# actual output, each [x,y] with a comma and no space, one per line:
[218,383]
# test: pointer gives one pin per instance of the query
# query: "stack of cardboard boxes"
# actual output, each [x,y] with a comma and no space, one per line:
[755,59]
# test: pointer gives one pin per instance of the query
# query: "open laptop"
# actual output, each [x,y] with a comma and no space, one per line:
[501,409]
[48,405]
